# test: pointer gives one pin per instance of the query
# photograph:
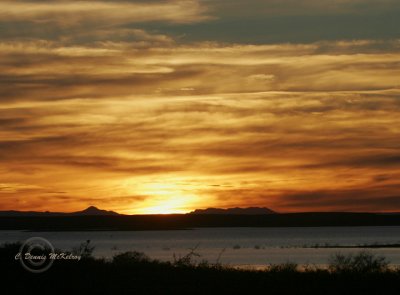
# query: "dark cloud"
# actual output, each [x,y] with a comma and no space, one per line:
[382,177]
[376,198]
[260,22]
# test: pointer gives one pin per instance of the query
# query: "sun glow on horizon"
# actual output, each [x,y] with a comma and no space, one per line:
[167,198]
[164,207]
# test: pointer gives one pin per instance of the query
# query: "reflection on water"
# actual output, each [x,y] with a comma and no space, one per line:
[235,246]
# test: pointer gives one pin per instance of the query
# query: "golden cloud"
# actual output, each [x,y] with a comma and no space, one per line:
[69,13]
[141,129]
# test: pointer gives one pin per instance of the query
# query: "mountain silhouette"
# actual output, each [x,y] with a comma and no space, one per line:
[90,211]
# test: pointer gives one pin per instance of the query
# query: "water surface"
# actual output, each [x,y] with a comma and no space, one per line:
[235,246]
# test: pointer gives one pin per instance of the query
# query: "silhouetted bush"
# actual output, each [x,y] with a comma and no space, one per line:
[187,260]
[363,261]
[135,273]
[85,250]
[131,257]
[8,252]
[284,267]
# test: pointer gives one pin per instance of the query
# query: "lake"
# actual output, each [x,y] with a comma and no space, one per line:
[234,246]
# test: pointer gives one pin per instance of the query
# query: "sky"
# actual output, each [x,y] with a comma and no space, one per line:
[146,107]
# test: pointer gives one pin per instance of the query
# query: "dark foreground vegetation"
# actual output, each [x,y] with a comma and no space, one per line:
[187,221]
[135,273]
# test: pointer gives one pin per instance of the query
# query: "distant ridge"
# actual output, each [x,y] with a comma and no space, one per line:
[70,222]
[90,211]
[237,210]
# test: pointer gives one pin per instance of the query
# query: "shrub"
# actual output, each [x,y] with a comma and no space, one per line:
[188,259]
[85,250]
[8,252]
[284,267]
[131,257]
[363,261]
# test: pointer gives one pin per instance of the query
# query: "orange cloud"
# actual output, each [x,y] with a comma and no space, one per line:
[138,129]
[69,13]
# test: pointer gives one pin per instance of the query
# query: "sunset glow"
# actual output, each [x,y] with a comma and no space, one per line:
[202,104]
[167,198]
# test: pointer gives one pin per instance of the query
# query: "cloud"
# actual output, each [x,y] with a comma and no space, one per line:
[49,71]
[115,104]
[68,13]
[237,148]
[87,22]
[293,7]
[373,198]
[255,22]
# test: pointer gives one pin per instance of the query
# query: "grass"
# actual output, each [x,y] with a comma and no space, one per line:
[136,273]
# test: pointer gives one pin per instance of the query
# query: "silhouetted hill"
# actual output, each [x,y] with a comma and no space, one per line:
[237,211]
[90,211]
[94,211]
[187,221]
